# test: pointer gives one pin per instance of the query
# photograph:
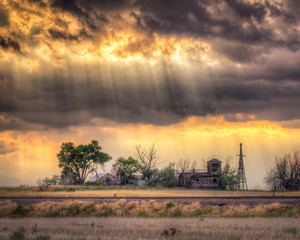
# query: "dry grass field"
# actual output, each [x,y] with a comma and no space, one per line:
[149,228]
[123,208]
[77,191]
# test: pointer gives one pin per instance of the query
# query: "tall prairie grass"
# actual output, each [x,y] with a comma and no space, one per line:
[150,228]
[151,208]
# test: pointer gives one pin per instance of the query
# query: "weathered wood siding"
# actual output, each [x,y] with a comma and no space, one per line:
[109,180]
[199,180]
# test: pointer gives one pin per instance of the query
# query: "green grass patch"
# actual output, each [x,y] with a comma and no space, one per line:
[203,211]
[169,205]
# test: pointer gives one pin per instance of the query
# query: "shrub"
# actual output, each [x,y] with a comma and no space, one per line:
[20,211]
[164,178]
[169,204]
[176,213]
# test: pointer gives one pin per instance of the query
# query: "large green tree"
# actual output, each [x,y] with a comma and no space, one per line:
[77,162]
[126,169]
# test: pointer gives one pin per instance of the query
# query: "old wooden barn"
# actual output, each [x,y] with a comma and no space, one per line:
[202,179]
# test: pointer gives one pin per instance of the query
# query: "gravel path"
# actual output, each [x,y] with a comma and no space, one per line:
[205,201]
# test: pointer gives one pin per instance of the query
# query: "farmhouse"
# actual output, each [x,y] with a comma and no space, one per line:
[201,178]
[104,179]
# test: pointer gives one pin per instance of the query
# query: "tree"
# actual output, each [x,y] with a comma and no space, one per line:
[285,175]
[164,178]
[183,164]
[78,162]
[228,176]
[55,180]
[147,159]
[125,169]
[44,183]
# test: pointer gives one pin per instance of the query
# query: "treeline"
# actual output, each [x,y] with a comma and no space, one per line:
[79,162]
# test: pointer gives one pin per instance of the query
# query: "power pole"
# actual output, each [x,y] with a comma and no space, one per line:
[241,172]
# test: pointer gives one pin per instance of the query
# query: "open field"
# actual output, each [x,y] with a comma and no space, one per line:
[90,191]
[147,228]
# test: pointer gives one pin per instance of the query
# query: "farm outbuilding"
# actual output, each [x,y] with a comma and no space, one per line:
[202,178]
[104,179]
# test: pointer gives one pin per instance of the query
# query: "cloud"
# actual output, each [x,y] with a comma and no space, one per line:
[144,61]
[244,24]
[4,17]
[6,148]
[40,3]
[40,101]
[7,43]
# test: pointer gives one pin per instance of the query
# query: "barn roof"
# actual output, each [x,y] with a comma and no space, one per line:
[98,176]
[214,160]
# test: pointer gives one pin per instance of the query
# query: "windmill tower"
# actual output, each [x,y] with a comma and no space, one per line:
[241,172]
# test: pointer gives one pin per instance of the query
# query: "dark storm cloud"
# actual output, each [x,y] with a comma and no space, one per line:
[56,34]
[61,101]
[254,92]
[4,18]
[237,29]
[8,43]
[248,10]
[78,7]
[244,25]
[6,148]
[92,13]
[41,3]
[258,73]
[193,17]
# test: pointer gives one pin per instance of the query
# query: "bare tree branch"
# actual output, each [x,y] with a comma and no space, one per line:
[147,158]
[183,164]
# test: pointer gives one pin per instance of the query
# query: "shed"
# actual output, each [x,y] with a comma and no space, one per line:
[104,179]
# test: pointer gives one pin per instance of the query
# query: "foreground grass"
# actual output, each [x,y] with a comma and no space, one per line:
[145,228]
[122,208]
[129,191]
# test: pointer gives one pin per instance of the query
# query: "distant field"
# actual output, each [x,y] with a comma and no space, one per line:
[146,228]
[77,191]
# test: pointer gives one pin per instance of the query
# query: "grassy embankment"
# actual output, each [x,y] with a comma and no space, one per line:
[129,191]
[147,228]
[123,208]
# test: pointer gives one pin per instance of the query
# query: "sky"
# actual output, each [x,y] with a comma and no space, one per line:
[194,77]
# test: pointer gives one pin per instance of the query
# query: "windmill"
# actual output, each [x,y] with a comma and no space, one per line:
[241,171]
